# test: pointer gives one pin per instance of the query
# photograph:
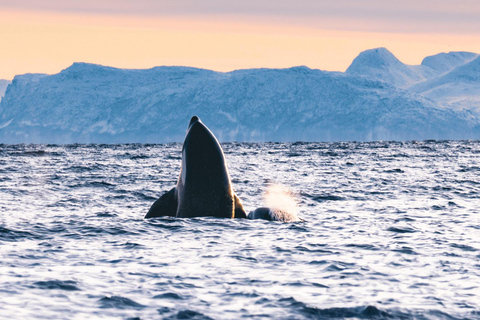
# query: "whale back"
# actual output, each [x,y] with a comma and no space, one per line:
[203,186]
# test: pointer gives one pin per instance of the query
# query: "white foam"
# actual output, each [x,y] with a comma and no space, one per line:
[282,203]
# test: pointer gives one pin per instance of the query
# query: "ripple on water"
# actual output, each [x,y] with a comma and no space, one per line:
[186,314]
[118,302]
[168,295]
[401,229]
[368,312]
[7,234]
[67,285]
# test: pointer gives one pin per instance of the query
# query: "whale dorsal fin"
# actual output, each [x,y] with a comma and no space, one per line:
[239,211]
[166,205]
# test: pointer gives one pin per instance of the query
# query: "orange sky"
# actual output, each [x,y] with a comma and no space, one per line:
[47,42]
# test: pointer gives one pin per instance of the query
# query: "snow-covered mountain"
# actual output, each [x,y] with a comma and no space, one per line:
[377,98]
[92,103]
[380,64]
[448,79]
[459,87]
[446,62]
[3,87]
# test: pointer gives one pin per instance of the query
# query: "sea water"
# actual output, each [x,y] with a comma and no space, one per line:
[391,230]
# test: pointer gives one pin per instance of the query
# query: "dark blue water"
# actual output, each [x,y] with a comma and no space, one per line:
[392,231]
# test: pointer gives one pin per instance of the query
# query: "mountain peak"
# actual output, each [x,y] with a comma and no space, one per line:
[85,67]
[445,62]
[380,64]
[377,58]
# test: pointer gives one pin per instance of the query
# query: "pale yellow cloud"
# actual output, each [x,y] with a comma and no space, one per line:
[47,42]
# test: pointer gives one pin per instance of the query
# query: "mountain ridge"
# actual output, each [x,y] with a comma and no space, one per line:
[459,87]
[93,103]
[380,64]
[3,87]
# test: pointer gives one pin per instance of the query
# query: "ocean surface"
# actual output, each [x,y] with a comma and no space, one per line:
[391,231]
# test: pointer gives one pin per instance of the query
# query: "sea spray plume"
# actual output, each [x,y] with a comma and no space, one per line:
[281,199]
[281,205]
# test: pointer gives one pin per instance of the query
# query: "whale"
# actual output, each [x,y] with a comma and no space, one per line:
[203,188]
[273,214]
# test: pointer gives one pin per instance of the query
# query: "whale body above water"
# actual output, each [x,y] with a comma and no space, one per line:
[204,188]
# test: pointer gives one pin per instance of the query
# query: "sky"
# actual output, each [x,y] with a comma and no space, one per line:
[46,36]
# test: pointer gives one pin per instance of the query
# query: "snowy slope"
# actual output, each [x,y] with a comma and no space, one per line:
[459,87]
[3,87]
[91,103]
[446,62]
[380,64]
